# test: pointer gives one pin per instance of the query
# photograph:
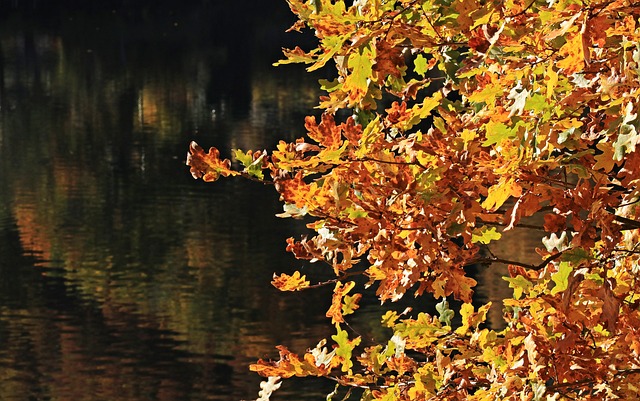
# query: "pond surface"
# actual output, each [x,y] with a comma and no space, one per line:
[122,278]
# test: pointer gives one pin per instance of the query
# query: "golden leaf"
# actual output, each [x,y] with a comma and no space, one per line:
[285,282]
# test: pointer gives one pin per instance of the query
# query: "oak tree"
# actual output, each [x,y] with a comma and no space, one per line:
[449,123]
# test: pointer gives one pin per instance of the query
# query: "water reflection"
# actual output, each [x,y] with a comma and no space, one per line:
[121,277]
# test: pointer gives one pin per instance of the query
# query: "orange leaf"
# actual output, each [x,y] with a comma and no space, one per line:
[610,307]
[460,285]
[573,53]
[335,311]
[285,282]
[290,365]
[209,166]
[296,191]
[326,133]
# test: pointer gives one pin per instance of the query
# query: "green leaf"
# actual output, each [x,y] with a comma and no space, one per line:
[561,277]
[251,167]
[576,256]
[537,103]
[420,65]
[497,132]
[488,94]
[345,347]
[333,44]
[519,284]
[360,64]
[350,303]
[356,213]
[329,86]
[438,122]
[445,313]
[595,277]
[484,235]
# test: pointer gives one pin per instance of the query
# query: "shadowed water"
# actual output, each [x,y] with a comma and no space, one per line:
[122,278]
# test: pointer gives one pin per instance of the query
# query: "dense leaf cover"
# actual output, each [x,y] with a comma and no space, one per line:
[464,118]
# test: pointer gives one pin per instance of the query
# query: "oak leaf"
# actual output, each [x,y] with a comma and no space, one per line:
[573,54]
[499,193]
[208,166]
[341,290]
[295,282]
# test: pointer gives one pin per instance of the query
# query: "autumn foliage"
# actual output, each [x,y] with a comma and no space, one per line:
[449,124]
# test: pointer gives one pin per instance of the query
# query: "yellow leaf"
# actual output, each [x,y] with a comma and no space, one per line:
[340,291]
[285,282]
[357,83]
[573,53]
[429,103]
[484,235]
[604,160]
[501,192]
[488,94]
[466,312]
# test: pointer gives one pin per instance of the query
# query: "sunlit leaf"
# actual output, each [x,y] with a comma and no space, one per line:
[345,347]
[519,284]
[208,166]
[485,234]
[337,308]
[285,282]
[501,192]
[561,277]
[252,162]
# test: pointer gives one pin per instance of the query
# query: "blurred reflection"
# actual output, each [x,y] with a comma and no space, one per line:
[121,277]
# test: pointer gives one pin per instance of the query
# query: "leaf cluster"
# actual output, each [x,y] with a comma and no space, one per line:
[465,118]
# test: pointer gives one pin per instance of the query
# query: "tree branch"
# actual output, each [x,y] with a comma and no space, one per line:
[495,259]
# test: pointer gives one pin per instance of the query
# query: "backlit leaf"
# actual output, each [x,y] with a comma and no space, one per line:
[485,234]
[519,284]
[561,277]
[501,192]
[208,166]
[345,347]
[285,282]
[420,65]
[572,54]
[433,177]
[335,312]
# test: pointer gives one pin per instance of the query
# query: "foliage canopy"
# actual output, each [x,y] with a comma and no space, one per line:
[449,123]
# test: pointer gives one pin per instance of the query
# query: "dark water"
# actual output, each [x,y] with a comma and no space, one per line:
[122,278]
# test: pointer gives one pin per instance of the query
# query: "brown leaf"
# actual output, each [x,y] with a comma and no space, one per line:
[610,307]
[208,166]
